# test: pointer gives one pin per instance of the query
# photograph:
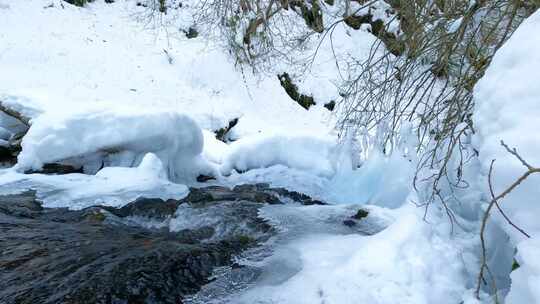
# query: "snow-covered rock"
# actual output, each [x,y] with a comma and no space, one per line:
[106,138]
[302,152]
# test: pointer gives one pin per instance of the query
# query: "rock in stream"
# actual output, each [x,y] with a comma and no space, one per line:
[129,254]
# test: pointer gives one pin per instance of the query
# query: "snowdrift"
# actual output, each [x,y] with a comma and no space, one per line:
[507,108]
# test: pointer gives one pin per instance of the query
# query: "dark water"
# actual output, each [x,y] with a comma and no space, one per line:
[100,255]
[129,254]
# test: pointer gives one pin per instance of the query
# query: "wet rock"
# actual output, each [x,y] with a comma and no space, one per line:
[361,214]
[8,157]
[21,205]
[304,101]
[80,3]
[89,256]
[355,219]
[191,32]
[204,178]
[515,264]
[223,133]
[12,148]
[154,208]
[277,194]
[349,223]
[56,168]
[298,197]
[98,255]
[330,105]
[217,193]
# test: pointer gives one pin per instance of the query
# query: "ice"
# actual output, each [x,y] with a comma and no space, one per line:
[27,107]
[382,181]
[280,260]
[111,186]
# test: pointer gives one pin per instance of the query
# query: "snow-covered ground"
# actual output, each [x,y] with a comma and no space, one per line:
[137,105]
[103,92]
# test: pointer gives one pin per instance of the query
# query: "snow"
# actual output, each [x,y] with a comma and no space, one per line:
[107,60]
[382,181]
[120,138]
[335,59]
[330,66]
[102,93]
[107,66]
[380,10]
[316,258]
[507,108]
[304,153]
[406,261]
[137,104]
[214,149]
[24,105]
[111,186]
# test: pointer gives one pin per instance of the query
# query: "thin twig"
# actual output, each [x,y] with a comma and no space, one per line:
[495,203]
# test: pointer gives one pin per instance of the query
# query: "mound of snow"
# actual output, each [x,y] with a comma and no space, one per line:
[507,108]
[103,138]
[304,153]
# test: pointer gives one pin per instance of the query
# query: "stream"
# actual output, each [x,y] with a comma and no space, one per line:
[213,246]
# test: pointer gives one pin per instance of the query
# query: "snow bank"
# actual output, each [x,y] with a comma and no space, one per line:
[112,186]
[69,57]
[408,262]
[304,153]
[508,108]
[104,138]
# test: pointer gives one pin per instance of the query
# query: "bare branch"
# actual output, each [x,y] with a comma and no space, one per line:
[495,203]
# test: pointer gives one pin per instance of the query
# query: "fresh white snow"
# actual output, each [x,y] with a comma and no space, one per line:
[507,108]
[136,105]
[96,139]
[406,261]
[304,153]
